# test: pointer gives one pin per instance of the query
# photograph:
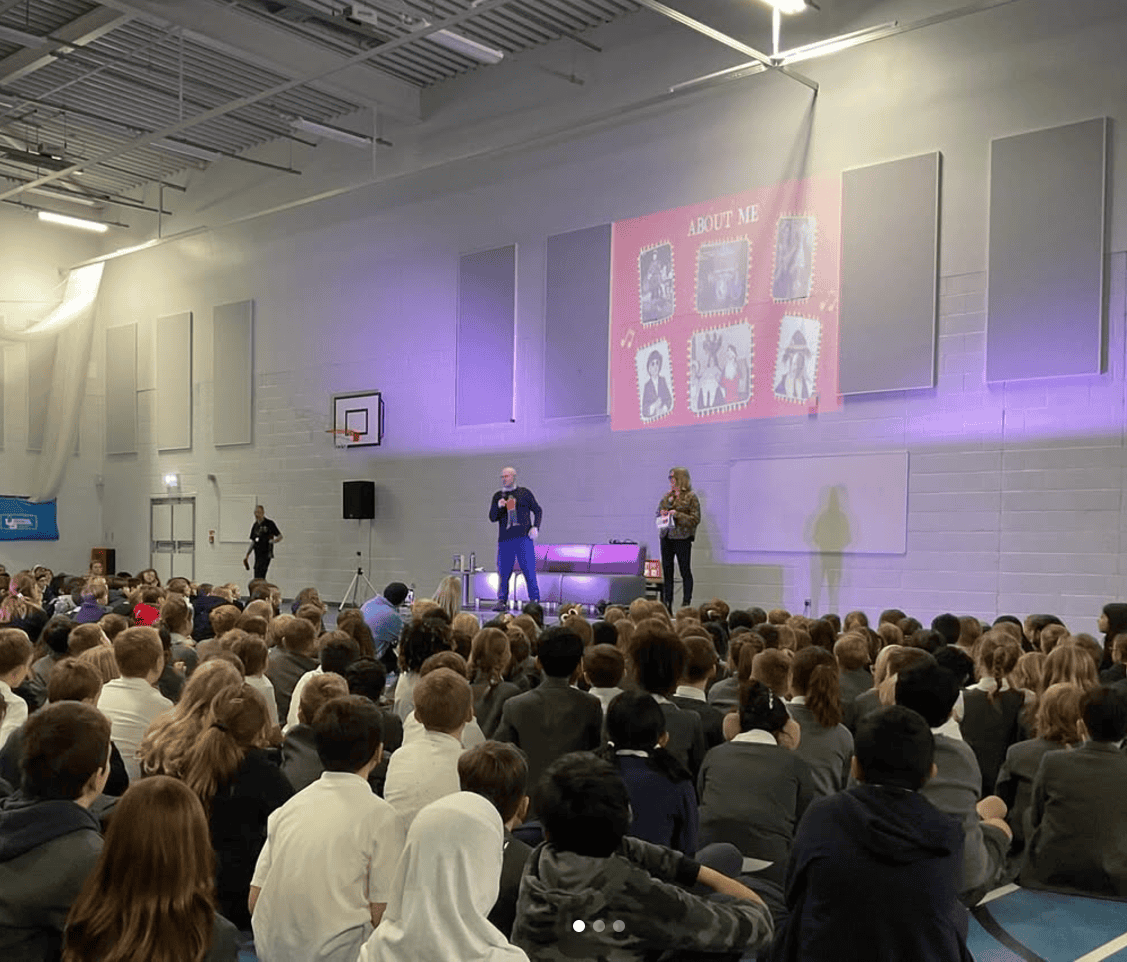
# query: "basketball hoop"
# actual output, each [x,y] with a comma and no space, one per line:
[340,436]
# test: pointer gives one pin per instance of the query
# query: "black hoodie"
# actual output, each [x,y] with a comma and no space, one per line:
[47,850]
[874,875]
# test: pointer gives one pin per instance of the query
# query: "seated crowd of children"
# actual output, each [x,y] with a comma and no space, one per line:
[186,774]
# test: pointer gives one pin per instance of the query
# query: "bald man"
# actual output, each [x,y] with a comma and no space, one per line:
[518,516]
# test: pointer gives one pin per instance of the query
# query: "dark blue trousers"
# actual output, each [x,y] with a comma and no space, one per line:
[523,552]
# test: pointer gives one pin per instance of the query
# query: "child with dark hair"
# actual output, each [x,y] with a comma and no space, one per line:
[663,801]
[590,892]
[948,626]
[1078,822]
[753,792]
[879,843]
[324,876]
[54,636]
[553,718]
[49,840]
[658,658]
[1113,620]
[826,744]
[420,639]
[499,772]
[956,788]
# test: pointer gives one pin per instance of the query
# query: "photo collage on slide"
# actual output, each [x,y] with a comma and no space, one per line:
[720,373]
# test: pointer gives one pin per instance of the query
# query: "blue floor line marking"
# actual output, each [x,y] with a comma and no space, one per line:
[1059,928]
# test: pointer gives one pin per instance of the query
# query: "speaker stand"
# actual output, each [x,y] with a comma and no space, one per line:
[353,589]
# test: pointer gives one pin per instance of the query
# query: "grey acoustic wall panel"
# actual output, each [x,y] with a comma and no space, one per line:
[121,389]
[233,344]
[3,359]
[1045,315]
[40,372]
[486,333]
[889,267]
[577,311]
[146,354]
[174,386]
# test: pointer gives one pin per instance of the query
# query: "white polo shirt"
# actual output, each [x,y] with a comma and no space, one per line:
[15,715]
[424,770]
[330,850]
[131,705]
[295,698]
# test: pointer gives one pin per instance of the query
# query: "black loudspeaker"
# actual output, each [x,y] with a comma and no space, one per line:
[360,499]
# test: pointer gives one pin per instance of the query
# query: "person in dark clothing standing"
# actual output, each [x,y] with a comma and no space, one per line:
[517,515]
[874,870]
[264,534]
[679,514]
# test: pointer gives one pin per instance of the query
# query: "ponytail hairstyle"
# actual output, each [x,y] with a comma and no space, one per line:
[233,724]
[635,723]
[22,597]
[490,655]
[814,674]
[762,709]
[151,894]
[997,660]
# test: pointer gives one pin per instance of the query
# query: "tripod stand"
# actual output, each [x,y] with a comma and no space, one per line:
[353,589]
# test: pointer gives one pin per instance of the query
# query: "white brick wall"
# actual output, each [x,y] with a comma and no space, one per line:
[1015,491]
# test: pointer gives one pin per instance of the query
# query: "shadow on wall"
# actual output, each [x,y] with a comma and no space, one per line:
[828,532]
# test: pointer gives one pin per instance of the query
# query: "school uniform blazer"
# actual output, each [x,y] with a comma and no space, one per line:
[753,796]
[1079,823]
[990,728]
[711,718]
[686,735]
[549,721]
[1015,782]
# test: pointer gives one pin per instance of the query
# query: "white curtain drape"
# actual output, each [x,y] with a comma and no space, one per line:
[72,322]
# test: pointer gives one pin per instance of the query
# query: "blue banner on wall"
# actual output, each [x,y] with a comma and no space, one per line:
[22,520]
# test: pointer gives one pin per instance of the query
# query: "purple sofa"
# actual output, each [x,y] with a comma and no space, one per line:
[583,573]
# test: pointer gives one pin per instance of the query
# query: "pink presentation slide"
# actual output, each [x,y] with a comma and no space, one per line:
[727,309]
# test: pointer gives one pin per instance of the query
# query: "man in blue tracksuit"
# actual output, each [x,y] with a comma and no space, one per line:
[518,516]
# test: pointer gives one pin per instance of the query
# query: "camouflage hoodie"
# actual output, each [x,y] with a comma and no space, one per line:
[631,906]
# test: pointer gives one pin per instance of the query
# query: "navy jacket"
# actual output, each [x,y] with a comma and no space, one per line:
[874,877]
[529,513]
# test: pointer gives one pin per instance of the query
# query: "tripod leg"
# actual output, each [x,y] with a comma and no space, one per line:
[351,590]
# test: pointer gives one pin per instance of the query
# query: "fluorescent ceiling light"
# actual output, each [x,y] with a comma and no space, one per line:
[65,195]
[78,222]
[786,6]
[466,47]
[188,150]
[330,132]
[10,35]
